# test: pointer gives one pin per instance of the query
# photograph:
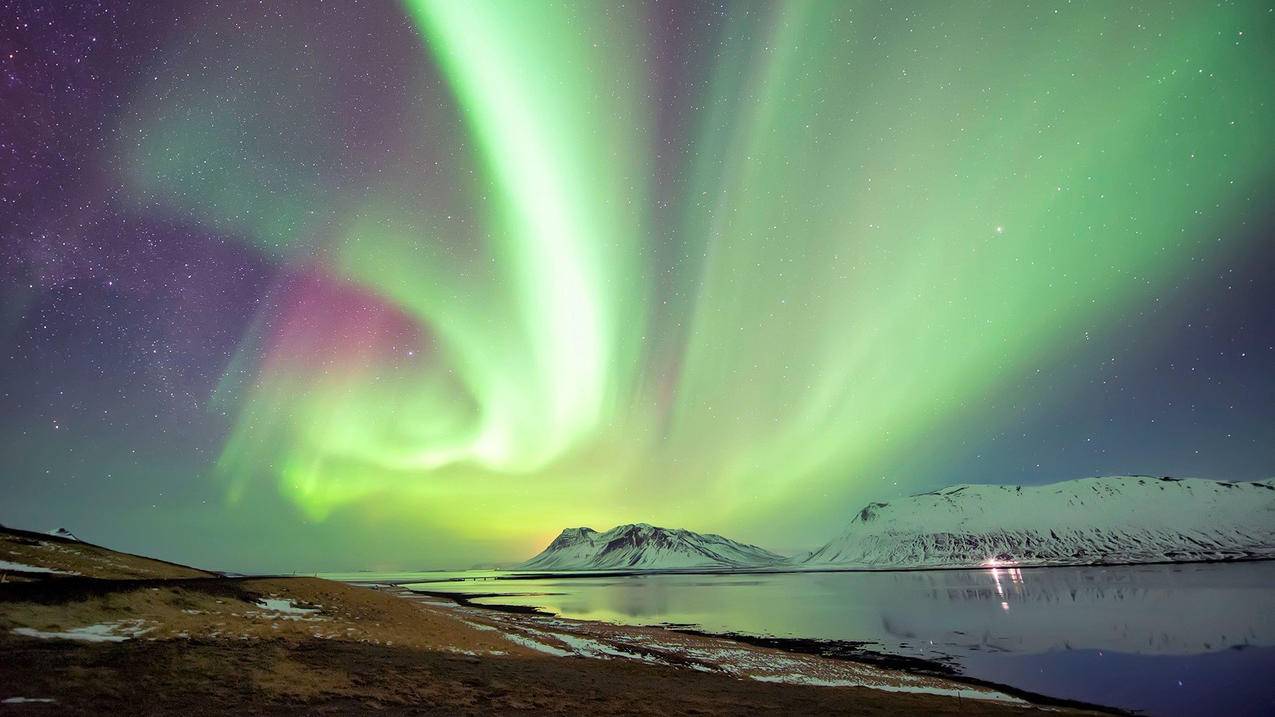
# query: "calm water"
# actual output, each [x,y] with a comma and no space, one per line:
[1168,640]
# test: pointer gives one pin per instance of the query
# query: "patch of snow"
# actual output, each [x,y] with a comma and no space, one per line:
[103,632]
[585,647]
[287,609]
[479,626]
[953,692]
[796,679]
[537,646]
[800,679]
[23,568]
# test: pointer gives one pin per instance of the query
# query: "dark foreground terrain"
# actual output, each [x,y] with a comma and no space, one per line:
[142,638]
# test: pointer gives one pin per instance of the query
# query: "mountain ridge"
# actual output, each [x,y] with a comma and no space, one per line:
[1106,519]
[646,547]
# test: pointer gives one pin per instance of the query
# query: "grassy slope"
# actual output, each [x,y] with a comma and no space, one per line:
[73,556]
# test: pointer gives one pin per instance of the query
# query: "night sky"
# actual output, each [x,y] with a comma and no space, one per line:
[302,286]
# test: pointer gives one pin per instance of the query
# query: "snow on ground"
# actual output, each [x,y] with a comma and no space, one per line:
[20,567]
[287,609]
[598,649]
[537,646]
[799,679]
[118,631]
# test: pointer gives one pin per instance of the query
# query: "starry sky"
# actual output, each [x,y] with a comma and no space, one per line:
[328,286]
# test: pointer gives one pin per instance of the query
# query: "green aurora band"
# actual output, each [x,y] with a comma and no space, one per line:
[521,319]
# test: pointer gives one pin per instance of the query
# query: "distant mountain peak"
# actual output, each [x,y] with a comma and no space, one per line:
[63,533]
[644,546]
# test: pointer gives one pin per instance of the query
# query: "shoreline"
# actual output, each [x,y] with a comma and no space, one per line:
[842,650]
[830,649]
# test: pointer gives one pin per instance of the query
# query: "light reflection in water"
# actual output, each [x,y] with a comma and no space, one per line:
[1015,576]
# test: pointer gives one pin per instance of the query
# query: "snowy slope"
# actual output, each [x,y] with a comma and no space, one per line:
[643,546]
[1093,520]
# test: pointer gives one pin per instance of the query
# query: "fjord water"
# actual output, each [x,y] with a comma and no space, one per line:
[1164,639]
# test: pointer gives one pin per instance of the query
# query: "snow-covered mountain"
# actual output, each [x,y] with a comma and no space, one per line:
[63,533]
[642,546]
[1122,519]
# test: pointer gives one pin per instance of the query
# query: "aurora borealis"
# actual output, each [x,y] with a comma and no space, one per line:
[421,284]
